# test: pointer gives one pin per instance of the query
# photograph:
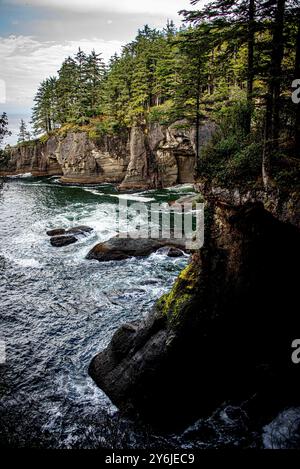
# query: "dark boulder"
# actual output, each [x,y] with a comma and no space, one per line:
[175,252]
[60,241]
[56,232]
[122,248]
[61,237]
[79,230]
[223,333]
[75,230]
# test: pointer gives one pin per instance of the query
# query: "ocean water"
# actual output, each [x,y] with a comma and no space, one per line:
[57,310]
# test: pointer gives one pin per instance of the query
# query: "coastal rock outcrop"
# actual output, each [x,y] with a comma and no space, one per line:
[61,237]
[283,204]
[223,333]
[118,248]
[82,229]
[162,156]
[32,157]
[61,241]
[139,158]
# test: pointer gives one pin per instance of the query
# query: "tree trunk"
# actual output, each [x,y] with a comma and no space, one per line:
[278,51]
[297,76]
[272,121]
[250,72]
[198,119]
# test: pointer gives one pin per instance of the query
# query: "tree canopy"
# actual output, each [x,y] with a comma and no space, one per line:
[230,55]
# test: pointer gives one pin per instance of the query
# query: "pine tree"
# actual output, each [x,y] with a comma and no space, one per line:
[234,22]
[4,132]
[24,134]
[117,93]
[45,110]
[94,72]
[143,82]
[165,70]
[192,77]
[67,90]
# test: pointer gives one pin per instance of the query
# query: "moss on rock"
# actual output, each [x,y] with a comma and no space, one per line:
[173,304]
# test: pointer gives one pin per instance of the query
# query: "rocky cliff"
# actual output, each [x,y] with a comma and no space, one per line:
[155,156]
[224,332]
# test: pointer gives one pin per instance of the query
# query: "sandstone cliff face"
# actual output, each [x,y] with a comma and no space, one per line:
[163,156]
[31,158]
[152,157]
[223,334]
[84,161]
[75,157]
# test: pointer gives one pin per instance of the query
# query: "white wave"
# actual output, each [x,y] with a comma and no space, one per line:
[22,176]
[181,187]
[93,191]
[32,263]
[134,197]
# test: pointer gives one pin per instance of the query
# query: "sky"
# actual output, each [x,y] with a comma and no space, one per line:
[37,35]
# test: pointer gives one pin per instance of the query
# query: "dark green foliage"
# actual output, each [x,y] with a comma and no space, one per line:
[72,97]
[233,157]
[234,64]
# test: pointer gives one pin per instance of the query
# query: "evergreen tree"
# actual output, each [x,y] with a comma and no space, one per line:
[4,132]
[94,73]
[233,22]
[232,55]
[45,110]
[67,91]
[117,92]
[192,77]
[24,134]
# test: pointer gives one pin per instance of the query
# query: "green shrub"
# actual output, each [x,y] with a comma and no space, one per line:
[233,156]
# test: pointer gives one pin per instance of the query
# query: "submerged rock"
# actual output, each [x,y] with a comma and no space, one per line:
[60,241]
[223,333]
[117,248]
[79,230]
[61,237]
[75,230]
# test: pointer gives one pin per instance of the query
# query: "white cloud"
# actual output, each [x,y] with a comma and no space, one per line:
[25,62]
[169,8]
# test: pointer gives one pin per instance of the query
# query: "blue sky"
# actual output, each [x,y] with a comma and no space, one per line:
[36,35]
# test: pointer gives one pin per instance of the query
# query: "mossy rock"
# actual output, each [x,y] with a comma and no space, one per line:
[173,304]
